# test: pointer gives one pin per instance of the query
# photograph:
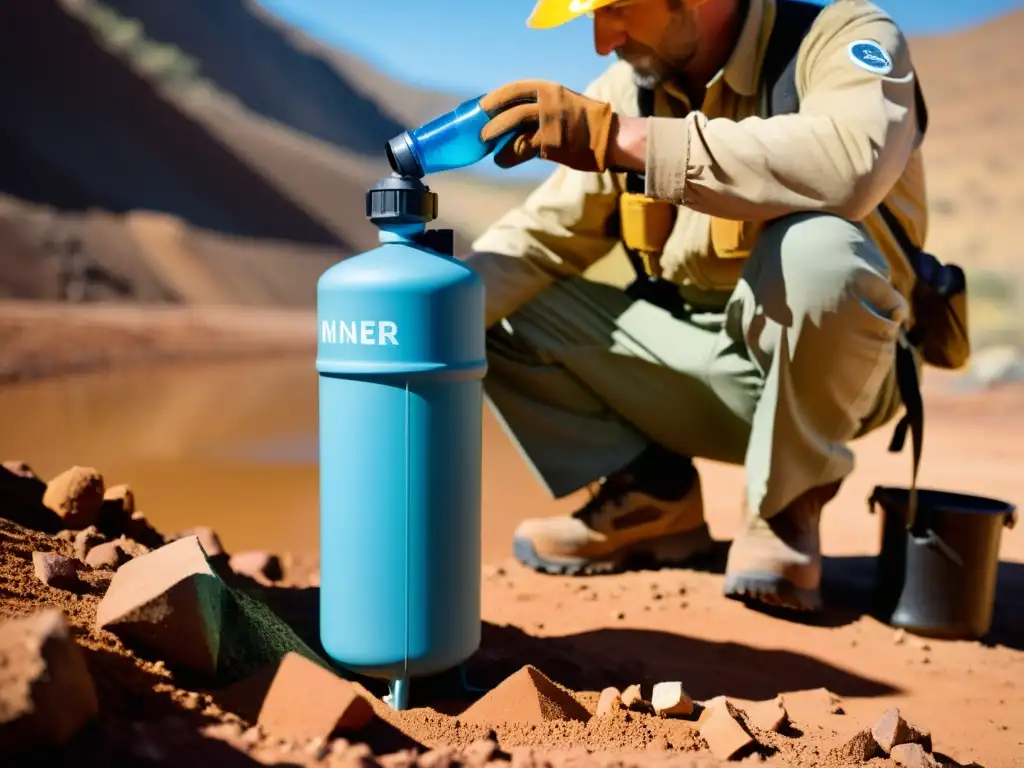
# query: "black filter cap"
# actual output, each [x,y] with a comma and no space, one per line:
[399,199]
[401,157]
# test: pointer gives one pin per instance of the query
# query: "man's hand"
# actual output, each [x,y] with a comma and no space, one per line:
[551,122]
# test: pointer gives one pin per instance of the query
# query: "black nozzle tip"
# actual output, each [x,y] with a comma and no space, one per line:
[401,158]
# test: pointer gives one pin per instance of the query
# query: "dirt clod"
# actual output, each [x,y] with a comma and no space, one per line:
[300,700]
[725,735]
[76,495]
[528,696]
[812,705]
[913,756]
[122,496]
[46,691]
[21,469]
[609,703]
[109,555]
[710,704]
[85,540]
[57,571]
[27,482]
[767,715]
[891,730]
[671,699]
[860,748]
[131,547]
[116,510]
[480,752]
[22,495]
[138,528]
[257,564]
[633,699]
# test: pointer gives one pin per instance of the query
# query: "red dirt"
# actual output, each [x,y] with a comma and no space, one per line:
[532,717]
[526,697]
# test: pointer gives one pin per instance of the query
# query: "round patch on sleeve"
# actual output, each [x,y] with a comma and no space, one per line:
[869,55]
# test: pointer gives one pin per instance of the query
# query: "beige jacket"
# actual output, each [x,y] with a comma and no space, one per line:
[853,144]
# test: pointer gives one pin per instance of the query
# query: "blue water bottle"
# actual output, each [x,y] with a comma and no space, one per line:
[449,141]
[400,359]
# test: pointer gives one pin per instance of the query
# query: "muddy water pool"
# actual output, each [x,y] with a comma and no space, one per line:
[233,446]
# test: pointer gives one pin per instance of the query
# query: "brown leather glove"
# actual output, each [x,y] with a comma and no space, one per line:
[549,121]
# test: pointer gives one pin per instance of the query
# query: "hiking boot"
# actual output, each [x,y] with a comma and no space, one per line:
[650,514]
[777,562]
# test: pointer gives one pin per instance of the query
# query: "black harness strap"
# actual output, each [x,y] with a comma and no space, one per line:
[635,183]
[793,20]
[655,290]
[645,105]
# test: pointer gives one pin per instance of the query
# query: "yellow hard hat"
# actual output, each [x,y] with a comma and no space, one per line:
[552,13]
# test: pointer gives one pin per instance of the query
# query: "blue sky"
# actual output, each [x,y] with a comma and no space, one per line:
[474,45]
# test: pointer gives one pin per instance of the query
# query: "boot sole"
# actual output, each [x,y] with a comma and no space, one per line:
[771,590]
[665,552]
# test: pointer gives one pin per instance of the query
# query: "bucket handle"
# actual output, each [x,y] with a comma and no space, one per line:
[936,541]
[931,538]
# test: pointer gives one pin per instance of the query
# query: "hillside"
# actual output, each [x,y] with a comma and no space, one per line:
[102,119]
[82,130]
[974,155]
[974,84]
[282,74]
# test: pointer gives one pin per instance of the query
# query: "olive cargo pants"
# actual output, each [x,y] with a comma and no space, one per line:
[799,362]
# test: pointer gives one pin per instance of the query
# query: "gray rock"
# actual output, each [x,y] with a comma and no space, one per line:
[56,570]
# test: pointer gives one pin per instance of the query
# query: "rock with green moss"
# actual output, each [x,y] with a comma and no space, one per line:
[171,603]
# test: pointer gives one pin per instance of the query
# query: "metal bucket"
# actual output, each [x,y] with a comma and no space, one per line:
[937,576]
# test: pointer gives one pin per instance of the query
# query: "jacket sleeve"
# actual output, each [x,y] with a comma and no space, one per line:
[840,154]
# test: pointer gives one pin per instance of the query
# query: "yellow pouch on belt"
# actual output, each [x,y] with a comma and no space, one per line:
[734,239]
[646,224]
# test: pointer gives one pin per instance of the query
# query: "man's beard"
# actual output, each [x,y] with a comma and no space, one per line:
[668,61]
[649,69]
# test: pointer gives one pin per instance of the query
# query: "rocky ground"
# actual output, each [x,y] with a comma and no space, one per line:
[124,645]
